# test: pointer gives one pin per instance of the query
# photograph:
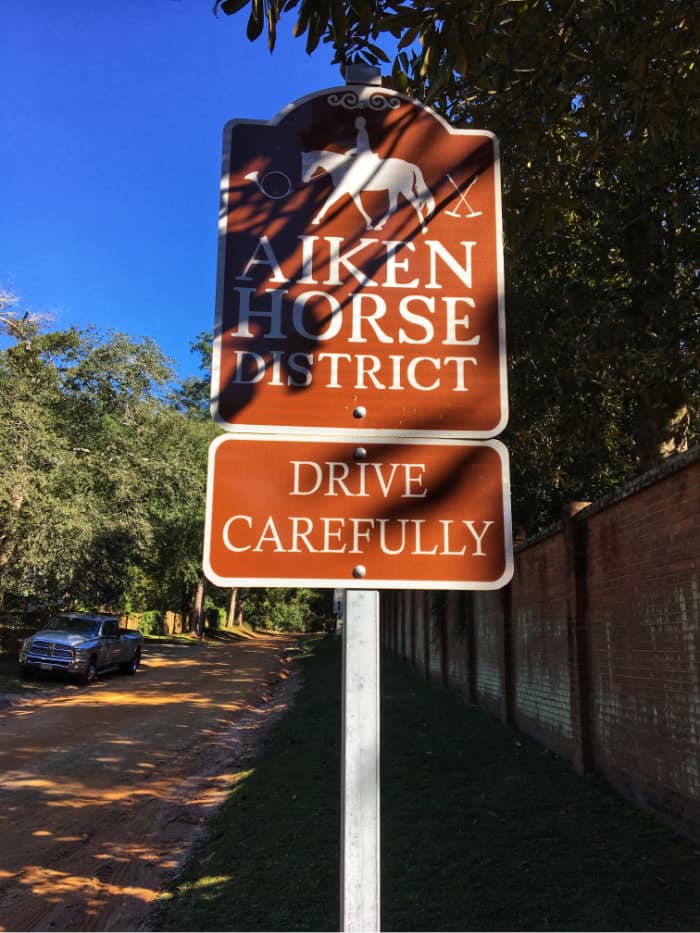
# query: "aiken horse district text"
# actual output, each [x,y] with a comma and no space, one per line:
[280,306]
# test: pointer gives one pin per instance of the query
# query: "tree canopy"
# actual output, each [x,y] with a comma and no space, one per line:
[103,470]
[595,103]
[102,481]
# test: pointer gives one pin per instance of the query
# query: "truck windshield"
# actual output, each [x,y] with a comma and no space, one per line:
[78,626]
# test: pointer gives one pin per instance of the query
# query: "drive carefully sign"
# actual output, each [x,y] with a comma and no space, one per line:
[360,279]
[328,513]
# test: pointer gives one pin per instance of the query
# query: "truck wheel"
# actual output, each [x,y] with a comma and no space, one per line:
[90,673]
[130,666]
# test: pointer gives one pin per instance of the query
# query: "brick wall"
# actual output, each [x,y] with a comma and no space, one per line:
[540,645]
[488,639]
[593,649]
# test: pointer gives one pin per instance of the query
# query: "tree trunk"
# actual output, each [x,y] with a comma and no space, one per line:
[231,614]
[197,614]
[239,612]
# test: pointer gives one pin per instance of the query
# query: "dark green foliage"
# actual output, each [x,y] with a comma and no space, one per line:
[288,610]
[597,110]
[151,623]
[102,478]
[192,397]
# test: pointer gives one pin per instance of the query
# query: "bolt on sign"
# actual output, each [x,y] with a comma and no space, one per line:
[360,273]
[400,513]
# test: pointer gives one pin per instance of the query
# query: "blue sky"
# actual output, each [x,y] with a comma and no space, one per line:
[110,151]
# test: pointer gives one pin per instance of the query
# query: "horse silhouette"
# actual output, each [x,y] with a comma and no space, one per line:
[358,170]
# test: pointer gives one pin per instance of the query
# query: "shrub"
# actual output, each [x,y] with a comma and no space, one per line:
[151,623]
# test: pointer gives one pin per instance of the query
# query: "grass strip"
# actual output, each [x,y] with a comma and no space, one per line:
[482,829]
[271,861]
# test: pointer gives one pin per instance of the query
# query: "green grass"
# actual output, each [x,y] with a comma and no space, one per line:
[482,829]
[272,859]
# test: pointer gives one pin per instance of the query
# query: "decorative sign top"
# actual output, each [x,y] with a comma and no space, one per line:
[360,279]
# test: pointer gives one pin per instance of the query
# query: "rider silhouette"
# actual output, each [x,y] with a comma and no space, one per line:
[362,145]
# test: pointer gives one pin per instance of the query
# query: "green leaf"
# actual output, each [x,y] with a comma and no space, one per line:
[229,7]
[254,28]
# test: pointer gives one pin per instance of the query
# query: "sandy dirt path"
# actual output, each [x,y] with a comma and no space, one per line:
[104,789]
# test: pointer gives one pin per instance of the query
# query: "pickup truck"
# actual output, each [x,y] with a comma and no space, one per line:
[82,644]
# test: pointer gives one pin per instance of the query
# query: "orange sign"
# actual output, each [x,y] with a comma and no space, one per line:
[378,515]
[360,280]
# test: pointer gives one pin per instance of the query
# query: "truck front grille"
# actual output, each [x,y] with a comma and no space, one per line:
[48,652]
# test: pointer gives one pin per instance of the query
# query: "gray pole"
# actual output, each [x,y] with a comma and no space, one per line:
[360,844]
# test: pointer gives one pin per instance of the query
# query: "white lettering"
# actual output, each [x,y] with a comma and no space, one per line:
[358,532]
[269,533]
[245,312]
[336,533]
[334,360]
[301,529]
[368,365]
[411,373]
[463,273]
[269,260]
[392,264]
[250,367]
[336,260]
[412,318]
[460,362]
[371,318]
[296,365]
[418,525]
[446,525]
[335,317]
[477,537]
[298,534]
[414,480]
[307,260]
[226,533]
[316,468]
[453,322]
[337,474]
[384,547]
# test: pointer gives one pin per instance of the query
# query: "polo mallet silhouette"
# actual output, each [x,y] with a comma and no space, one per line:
[463,199]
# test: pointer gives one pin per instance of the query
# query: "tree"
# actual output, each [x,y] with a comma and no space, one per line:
[171,571]
[595,103]
[192,396]
[288,610]
[101,479]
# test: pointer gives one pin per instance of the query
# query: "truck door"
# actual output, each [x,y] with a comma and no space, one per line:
[111,641]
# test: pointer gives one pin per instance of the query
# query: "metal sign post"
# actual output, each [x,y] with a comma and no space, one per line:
[360,867]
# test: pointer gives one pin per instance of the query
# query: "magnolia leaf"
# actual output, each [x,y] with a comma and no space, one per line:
[362,8]
[231,6]
[254,28]
[380,54]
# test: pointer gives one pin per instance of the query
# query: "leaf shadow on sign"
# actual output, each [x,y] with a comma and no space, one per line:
[456,462]
[305,258]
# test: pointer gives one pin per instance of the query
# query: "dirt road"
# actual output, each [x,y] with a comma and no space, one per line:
[104,789]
